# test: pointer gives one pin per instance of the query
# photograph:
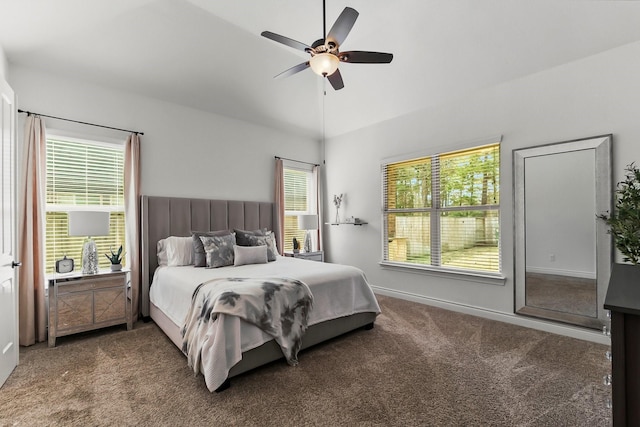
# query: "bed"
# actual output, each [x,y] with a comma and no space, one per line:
[342,299]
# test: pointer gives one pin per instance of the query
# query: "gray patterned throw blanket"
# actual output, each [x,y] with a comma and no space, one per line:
[278,306]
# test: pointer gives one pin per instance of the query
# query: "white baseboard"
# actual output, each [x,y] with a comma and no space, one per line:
[566,273]
[528,322]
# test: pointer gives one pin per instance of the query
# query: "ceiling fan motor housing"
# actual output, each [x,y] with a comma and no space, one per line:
[319,46]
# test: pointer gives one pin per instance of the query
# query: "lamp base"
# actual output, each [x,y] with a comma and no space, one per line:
[89,257]
[307,242]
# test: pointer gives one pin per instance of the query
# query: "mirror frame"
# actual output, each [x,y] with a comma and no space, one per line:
[604,247]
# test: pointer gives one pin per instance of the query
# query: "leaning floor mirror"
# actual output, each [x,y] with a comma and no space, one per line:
[563,253]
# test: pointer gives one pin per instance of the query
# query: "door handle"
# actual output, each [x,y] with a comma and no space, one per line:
[15,264]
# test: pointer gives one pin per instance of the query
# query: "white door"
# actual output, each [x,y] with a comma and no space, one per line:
[8,281]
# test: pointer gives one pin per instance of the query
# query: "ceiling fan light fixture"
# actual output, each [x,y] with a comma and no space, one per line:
[324,64]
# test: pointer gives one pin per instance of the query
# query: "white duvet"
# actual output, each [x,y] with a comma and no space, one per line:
[338,291]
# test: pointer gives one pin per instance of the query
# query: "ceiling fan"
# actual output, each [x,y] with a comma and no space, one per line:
[325,52]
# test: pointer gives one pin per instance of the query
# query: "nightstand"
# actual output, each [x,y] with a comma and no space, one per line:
[83,302]
[312,256]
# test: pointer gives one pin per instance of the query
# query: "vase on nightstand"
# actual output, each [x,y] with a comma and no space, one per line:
[116,267]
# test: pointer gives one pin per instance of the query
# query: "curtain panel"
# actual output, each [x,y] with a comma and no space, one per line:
[31,232]
[132,216]
[279,205]
[317,181]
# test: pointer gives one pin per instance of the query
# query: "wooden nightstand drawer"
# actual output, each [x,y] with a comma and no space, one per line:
[88,284]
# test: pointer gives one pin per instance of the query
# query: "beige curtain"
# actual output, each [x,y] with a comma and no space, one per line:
[279,206]
[31,219]
[317,180]
[132,216]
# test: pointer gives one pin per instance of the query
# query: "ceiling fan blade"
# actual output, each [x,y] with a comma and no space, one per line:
[336,80]
[293,70]
[342,26]
[364,57]
[286,41]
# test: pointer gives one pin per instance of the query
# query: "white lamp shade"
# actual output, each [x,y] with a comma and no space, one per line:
[324,64]
[88,223]
[308,222]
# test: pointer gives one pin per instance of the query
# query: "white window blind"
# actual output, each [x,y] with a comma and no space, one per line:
[298,200]
[442,211]
[82,176]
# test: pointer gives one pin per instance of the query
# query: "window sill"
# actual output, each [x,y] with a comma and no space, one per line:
[485,278]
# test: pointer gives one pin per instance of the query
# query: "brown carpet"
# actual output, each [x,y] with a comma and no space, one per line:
[419,366]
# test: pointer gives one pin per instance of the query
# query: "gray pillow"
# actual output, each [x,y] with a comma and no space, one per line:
[199,254]
[249,255]
[242,236]
[268,241]
[219,250]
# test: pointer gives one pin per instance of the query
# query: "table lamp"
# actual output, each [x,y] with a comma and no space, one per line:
[88,224]
[308,223]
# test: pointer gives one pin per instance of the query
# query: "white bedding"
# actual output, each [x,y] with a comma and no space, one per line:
[338,291]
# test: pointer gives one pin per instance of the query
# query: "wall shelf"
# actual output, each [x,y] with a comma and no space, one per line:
[346,223]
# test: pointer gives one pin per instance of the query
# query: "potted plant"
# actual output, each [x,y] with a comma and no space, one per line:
[624,222]
[115,258]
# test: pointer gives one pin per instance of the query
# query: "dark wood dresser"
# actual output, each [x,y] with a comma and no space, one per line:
[623,299]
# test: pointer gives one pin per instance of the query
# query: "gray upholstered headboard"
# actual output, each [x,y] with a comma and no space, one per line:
[173,216]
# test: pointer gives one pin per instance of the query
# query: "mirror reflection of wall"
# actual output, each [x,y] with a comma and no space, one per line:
[561,232]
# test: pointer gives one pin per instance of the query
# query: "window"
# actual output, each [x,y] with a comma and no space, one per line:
[82,175]
[299,199]
[442,211]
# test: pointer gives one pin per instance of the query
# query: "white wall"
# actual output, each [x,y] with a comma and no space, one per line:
[184,152]
[594,96]
[4,65]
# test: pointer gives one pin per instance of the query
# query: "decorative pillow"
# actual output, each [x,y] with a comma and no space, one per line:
[175,251]
[242,236]
[273,239]
[162,252]
[267,241]
[249,255]
[200,256]
[219,250]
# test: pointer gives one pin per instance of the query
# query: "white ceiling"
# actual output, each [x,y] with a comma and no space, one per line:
[208,54]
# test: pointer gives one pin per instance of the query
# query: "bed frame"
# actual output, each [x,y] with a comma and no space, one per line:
[173,216]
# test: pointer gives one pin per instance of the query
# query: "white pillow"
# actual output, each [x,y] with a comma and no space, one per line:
[249,255]
[175,251]
[162,252]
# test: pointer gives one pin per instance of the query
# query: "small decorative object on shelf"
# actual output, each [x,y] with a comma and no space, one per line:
[296,246]
[349,221]
[337,200]
[116,259]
